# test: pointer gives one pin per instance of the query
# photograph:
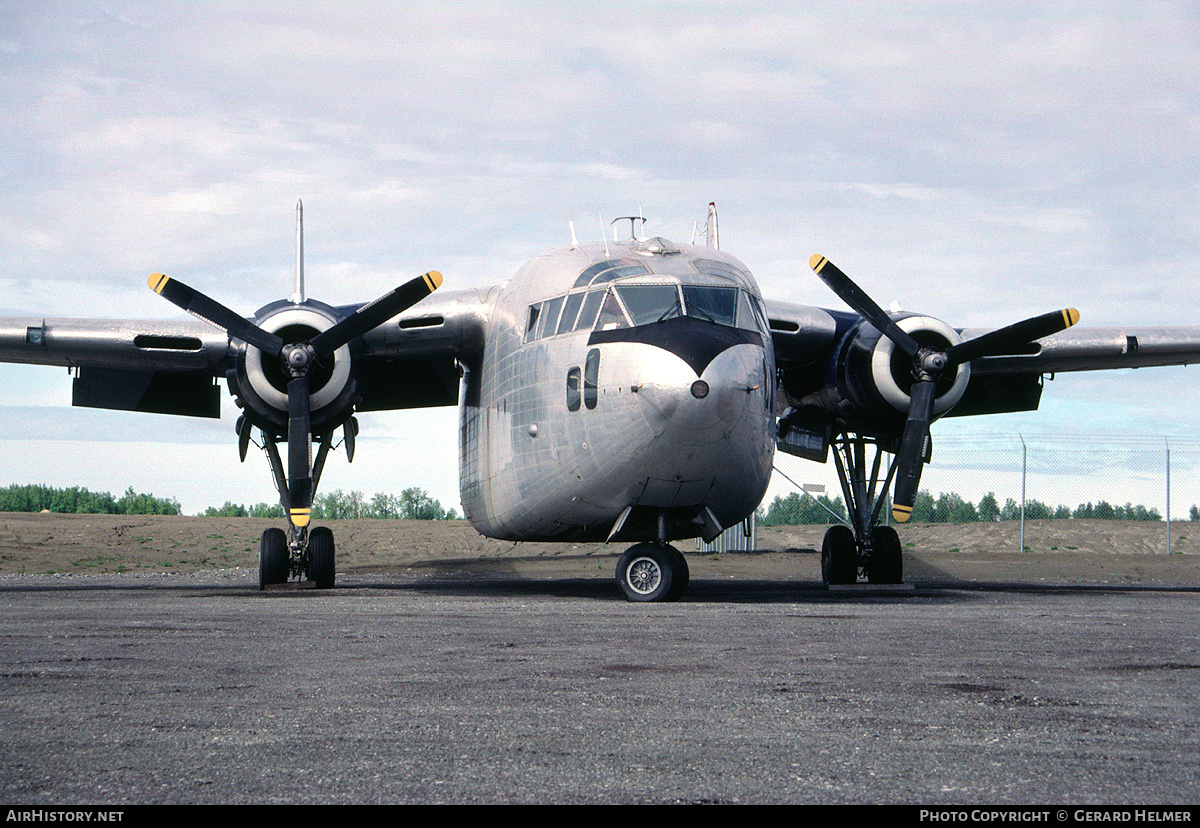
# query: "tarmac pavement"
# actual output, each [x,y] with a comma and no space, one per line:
[197,688]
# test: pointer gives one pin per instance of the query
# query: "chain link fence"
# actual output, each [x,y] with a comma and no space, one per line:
[1070,475]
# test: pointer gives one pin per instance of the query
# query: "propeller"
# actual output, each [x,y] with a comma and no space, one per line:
[298,360]
[928,366]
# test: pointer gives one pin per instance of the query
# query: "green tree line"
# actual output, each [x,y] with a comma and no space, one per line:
[798,509]
[76,500]
[411,504]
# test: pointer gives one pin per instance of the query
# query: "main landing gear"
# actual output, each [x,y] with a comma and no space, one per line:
[308,555]
[652,571]
[304,552]
[866,547]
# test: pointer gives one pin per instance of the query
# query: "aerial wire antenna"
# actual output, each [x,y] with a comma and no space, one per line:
[604,233]
[574,241]
[298,296]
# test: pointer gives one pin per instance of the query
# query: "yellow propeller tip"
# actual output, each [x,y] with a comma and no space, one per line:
[901,514]
[816,260]
[300,517]
[157,282]
[434,280]
[1071,316]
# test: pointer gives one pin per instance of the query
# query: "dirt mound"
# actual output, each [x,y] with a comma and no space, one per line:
[1056,551]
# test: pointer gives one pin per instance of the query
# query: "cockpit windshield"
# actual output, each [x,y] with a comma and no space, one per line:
[609,307]
[650,303]
[716,304]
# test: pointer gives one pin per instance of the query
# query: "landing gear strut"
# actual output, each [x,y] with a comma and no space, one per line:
[865,546]
[652,572]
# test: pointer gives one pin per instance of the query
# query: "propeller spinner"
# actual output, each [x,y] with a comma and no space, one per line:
[928,366]
[298,359]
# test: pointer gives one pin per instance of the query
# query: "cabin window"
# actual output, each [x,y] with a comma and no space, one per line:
[591,378]
[573,389]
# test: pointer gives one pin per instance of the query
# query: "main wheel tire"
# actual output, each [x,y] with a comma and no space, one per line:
[321,557]
[273,558]
[886,564]
[648,572]
[839,556]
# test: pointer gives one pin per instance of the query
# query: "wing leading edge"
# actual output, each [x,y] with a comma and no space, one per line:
[175,366]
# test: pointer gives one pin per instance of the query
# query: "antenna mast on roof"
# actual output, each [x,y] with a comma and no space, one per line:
[298,296]
[712,238]
[633,226]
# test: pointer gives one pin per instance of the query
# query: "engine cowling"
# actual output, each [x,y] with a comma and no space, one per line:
[871,379]
[260,382]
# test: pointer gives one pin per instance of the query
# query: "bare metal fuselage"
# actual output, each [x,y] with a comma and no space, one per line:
[625,391]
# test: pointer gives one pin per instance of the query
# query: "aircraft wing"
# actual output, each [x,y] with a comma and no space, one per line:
[413,361]
[175,366]
[1095,349]
[808,353]
[168,367]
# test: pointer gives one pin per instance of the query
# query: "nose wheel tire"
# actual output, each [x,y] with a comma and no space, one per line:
[652,572]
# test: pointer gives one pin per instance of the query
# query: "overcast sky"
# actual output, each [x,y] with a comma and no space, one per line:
[981,162]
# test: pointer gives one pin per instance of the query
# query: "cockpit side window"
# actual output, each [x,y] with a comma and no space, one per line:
[531,328]
[751,314]
[612,315]
[587,316]
[549,320]
[566,322]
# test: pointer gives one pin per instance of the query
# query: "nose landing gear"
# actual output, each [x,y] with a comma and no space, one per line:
[652,572]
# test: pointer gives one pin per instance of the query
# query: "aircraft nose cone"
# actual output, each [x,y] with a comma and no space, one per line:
[690,411]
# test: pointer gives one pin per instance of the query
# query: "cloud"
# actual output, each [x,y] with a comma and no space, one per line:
[977,161]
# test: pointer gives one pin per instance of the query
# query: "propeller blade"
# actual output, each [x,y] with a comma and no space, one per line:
[376,313]
[910,459]
[856,298]
[299,468]
[243,432]
[213,312]
[1008,339]
[349,432]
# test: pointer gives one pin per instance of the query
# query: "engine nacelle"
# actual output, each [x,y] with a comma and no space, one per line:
[871,378]
[261,381]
